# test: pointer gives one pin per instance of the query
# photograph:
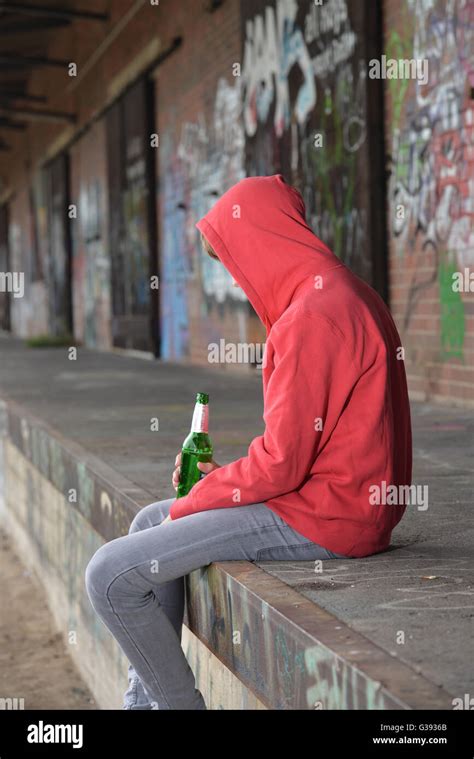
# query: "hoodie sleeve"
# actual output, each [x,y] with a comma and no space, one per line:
[305,395]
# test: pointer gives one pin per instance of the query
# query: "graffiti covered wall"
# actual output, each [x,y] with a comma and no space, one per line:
[90,249]
[201,155]
[205,160]
[305,100]
[430,138]
[260,87]
[296,75]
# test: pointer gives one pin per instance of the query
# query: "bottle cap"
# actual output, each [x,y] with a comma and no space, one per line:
[202,398]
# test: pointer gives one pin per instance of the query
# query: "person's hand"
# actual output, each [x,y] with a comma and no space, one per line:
[205,467]
[177,471]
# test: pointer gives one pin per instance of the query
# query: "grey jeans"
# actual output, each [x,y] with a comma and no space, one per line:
[136,585]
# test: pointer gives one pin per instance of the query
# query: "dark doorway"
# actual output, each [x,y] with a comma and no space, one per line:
[132,218]
[59,241]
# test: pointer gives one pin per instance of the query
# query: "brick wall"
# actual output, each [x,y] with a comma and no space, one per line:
[91,285]
[215,128]
[223,127]
[430,139]
[201,155]
[108,57]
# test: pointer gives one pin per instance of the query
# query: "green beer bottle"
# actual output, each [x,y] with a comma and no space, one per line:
[196,447]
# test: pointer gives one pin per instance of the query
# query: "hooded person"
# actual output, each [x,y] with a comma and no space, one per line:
[337,419]
[313,486]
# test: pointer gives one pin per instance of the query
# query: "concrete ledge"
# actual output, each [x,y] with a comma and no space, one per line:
[292,653]
[252,640]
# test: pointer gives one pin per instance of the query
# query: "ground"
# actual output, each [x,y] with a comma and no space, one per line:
[34,662]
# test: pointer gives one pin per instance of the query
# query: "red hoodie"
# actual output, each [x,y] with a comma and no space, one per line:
[336,410]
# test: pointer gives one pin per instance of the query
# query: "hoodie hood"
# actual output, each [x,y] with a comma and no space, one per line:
[258,230]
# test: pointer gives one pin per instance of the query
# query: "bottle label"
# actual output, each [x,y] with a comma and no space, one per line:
[200,421]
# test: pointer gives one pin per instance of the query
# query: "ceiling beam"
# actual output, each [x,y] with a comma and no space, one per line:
[15,125]
[53,12]
[13,59]
[30,26]
[31,114]
[6,94]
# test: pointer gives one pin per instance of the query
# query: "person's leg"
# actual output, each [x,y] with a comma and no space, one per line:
[128,577]
[171,596]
